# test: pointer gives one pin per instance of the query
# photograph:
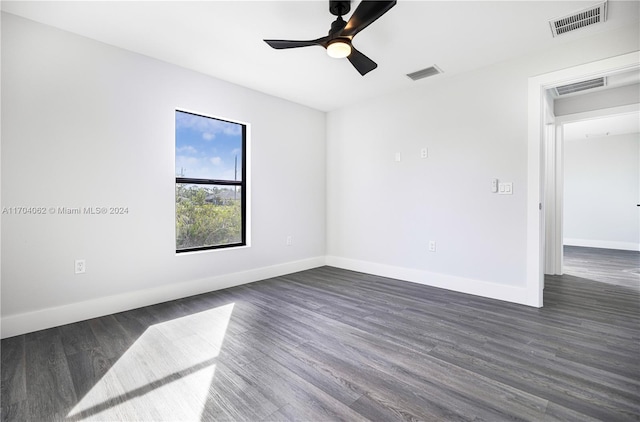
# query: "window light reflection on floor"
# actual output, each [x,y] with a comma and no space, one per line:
[164,375]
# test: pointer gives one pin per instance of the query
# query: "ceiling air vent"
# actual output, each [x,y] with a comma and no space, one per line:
[580,86]
[424,73]
[585,17]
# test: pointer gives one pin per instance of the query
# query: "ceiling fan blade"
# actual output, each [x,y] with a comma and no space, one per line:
[366,13]
[362,63]
[281,44]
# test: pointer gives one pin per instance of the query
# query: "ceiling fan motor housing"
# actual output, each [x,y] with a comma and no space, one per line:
[339,8]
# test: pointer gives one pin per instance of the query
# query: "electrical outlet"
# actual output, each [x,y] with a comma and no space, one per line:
[424,153]
[432,246]
[289,240]
[80,266]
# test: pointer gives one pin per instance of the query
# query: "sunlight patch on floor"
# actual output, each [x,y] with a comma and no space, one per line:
[165,375]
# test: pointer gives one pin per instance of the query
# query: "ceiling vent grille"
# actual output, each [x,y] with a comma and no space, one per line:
[580,86]
[585,17]
[424,73]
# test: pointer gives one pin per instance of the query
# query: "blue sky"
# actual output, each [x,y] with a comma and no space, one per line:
[206,148]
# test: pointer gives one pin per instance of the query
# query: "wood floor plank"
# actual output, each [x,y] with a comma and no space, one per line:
[558,413]
[16,411]
[50,389]
[77,337]
[435,382]
[113,339]
[87,368]
[386,397]
[232,397]
[136,321]
[306,401]
[12,374]
[558,386]
[325,376]
[281,415]
[615,267]
[13,384]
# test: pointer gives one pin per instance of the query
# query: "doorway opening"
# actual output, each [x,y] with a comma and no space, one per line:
[543,203]
[600,171]
[592,181]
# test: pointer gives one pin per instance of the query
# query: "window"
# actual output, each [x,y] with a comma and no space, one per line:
[210,183]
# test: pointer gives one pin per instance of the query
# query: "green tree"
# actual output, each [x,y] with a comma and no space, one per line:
[207,216]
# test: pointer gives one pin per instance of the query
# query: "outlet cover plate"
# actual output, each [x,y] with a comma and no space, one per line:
[80,266]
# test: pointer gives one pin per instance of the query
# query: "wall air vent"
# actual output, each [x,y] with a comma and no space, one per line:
[585,17]
[580,86]
[424,73]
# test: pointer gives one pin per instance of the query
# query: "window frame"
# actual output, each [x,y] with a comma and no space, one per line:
[242,184]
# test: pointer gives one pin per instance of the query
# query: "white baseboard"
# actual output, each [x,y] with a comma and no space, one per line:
[13,325]
[604,244]
[515,294]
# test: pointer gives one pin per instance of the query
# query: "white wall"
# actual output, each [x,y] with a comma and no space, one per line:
[381,214]
[608,98]
[601,190]
[86,124]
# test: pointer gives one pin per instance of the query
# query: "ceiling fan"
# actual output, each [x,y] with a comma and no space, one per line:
[338,42]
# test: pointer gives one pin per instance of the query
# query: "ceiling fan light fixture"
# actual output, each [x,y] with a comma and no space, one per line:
[339,49]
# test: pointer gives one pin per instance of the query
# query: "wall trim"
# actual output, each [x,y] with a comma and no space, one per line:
[603,244]
[13,325]
[487,289]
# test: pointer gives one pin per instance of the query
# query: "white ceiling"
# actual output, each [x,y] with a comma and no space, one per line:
[620,124]
[224,39]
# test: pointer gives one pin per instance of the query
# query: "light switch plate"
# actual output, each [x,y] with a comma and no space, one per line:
[505,188]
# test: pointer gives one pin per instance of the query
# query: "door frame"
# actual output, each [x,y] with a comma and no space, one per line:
[553,196]
[536,162]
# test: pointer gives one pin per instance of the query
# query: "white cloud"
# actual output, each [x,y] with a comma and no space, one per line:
[187,149]
[207,136]
[216,161]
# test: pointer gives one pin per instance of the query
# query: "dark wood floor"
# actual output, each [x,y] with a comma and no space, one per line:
[609,266]
[329,344]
